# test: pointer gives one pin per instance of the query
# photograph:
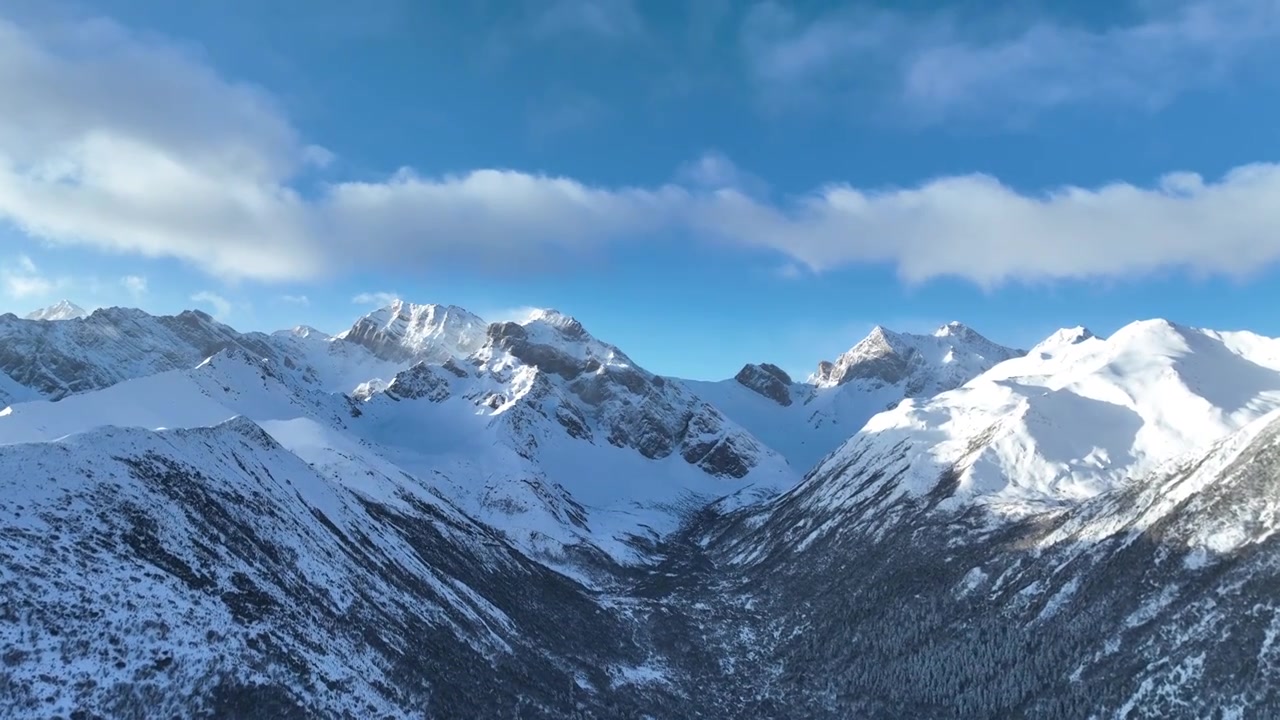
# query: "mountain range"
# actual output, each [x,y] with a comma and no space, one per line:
[429,515]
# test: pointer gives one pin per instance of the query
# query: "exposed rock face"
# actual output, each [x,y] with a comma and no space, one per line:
[1115,607]
[404,332]
[597,385]
[767,379]
[419,382]
[806,420]
[882,357]
[113,344]
[922,364]
[547,357]
[211,573]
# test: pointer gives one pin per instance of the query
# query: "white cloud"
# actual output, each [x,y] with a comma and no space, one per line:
[119,143]
[381,299]
[221,306]
[713,170]
[976,228]
[130,145]
[23,280]
[488,217]
[295,299]
[136,285]
[941,64]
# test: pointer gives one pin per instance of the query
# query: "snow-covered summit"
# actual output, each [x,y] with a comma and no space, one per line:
[63,310]
[1068,421]
[553,342]
[403,332]
[304,332]
[805,421]
[1060,338]
[922,364]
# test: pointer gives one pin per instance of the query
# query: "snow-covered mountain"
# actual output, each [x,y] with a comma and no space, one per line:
[431,515]
[543,431]
[1073,418]
[403,331]
[805,421]
[113,344]
[63,310]
[212,573]
[1152,598]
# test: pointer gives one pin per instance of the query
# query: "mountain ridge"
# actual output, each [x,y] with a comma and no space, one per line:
[807,420]
[550,527]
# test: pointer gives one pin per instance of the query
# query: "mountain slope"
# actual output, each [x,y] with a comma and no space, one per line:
[579,444]
[1064,423]
[210,571]
[12,391]
[546,432]
[805,421]
[1151,599]
[1072,533]
[543,529]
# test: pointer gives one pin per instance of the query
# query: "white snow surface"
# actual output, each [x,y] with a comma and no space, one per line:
[63,310]
[12,391]
[817,422]
[487,433]
[837,401]
[84,487]
[1075,417]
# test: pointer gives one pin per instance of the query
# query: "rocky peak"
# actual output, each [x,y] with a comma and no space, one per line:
[420,381]
[597,394]
[882,355]
[768,380]
[112,344]
[558,344]
[922,364]
[566,325]
[403,331]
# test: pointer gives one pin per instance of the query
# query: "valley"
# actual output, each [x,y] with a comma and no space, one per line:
[429,515]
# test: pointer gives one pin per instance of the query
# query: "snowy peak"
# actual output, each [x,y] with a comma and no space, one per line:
[1063,338]
[304,332]
[404,332]
[1074,419]
[551,367]
[64,310]
[957,330]
[553,343]
[921,364]
[566,325]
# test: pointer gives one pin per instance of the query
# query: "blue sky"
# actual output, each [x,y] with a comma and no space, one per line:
[703,186]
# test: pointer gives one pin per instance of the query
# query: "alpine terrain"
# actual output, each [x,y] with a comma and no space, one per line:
[430,515]
[806,420]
